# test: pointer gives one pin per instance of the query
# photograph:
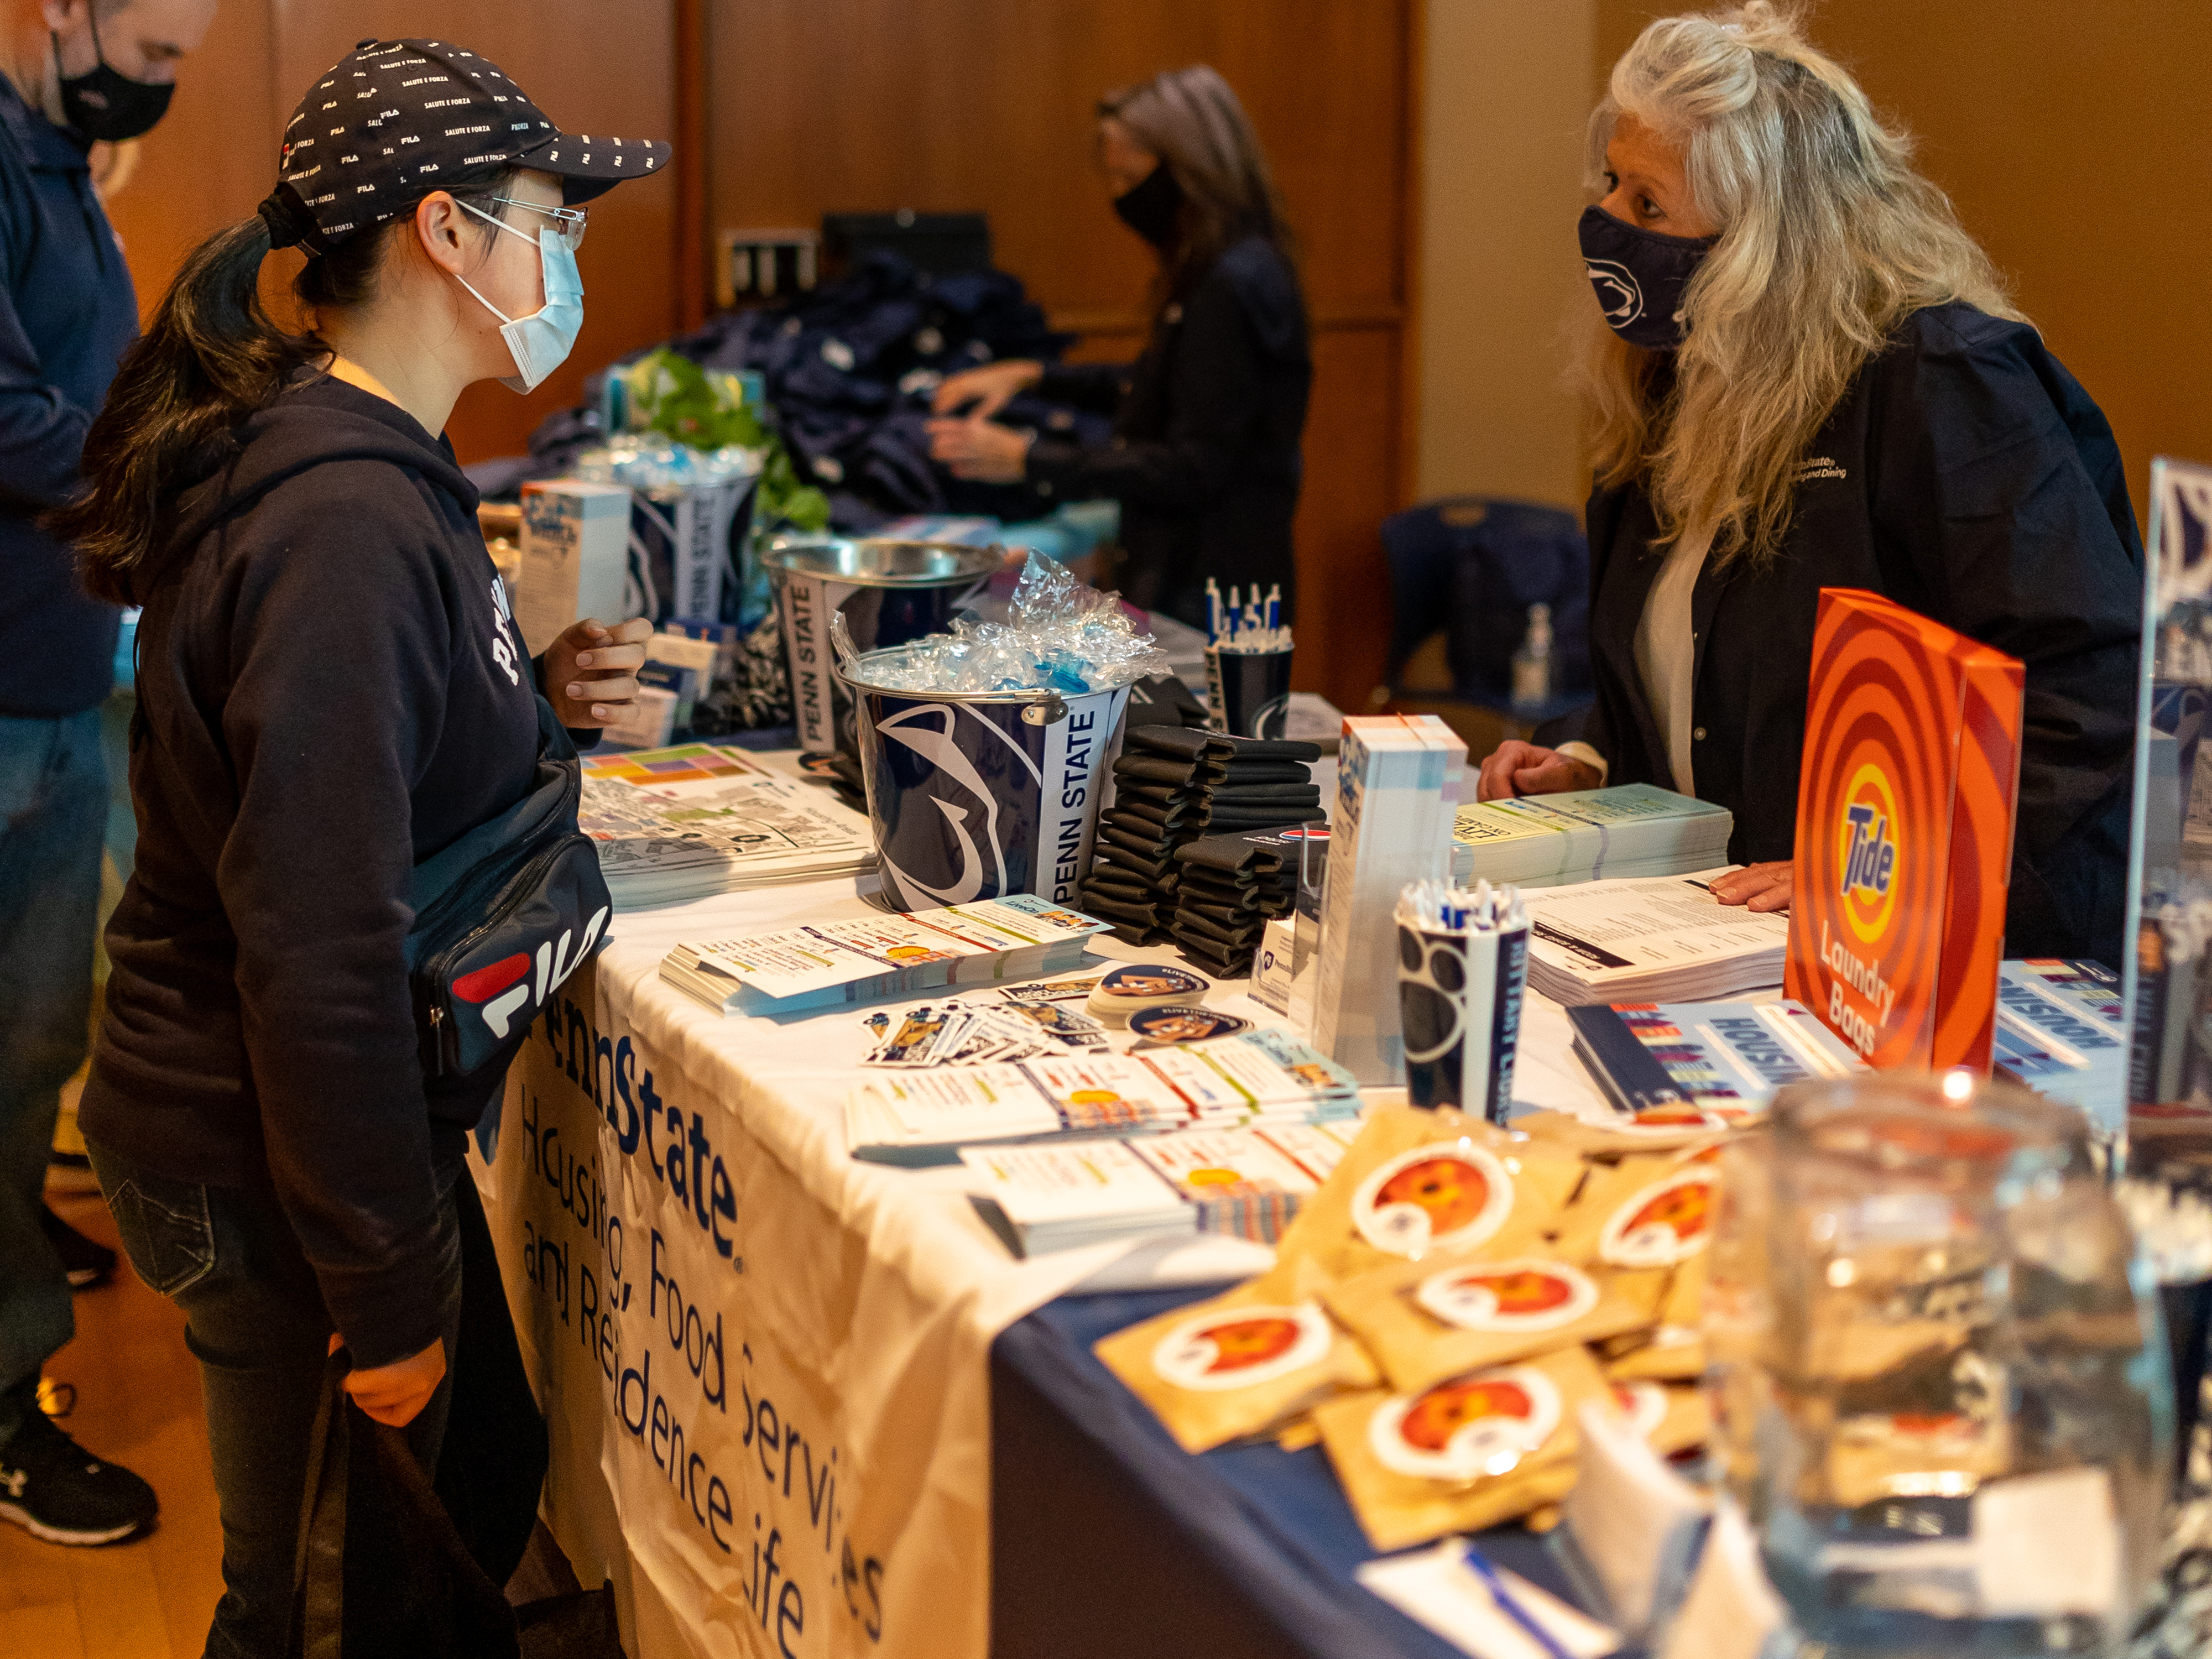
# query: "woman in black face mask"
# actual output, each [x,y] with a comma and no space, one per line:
[1205,459]
[1803,374]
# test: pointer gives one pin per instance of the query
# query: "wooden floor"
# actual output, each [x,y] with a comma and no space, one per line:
[138,1403]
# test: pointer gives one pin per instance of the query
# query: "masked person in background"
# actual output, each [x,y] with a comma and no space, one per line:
[331,691]
[1204,458]
[73,73]
[1807,375]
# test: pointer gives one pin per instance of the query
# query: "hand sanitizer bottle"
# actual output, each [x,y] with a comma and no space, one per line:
[1531,663]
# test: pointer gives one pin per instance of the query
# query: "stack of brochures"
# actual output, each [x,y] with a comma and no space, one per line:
[1246,1183]
[680,824]
[1723,1061]
[2059,1032]
[1624,833]
[1664,941]
[822,964]
[1255,1079]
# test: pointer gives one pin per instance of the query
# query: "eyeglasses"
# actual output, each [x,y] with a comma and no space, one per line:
[569,224]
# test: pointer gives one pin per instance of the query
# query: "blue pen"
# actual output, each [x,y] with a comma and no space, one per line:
[1275,606]
[1510,1605]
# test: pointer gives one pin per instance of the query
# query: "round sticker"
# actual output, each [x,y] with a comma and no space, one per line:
[1237,1347]
[1672,1119]
[1150,980]
[1467,1428]
[1644,1404]
[1668,1221]
[1177,1022]
[1526,1294]
[1447,1194]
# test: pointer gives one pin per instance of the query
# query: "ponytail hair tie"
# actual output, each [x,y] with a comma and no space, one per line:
[287,218]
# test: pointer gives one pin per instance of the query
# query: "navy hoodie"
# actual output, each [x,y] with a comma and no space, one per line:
[330,691]
[67,311]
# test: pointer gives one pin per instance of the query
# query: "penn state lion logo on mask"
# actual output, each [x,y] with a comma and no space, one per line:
[1619,294]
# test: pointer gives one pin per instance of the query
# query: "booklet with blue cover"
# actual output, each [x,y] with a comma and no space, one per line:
[1722,1058]
[2058,1031]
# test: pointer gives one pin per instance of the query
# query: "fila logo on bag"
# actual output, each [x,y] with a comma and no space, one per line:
[506,986]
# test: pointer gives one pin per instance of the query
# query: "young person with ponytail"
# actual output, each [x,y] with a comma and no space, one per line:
[73,74]
[330,691]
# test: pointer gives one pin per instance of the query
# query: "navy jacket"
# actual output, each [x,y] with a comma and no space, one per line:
[330,691]
[67,310]
[1205,459]
[1964,474]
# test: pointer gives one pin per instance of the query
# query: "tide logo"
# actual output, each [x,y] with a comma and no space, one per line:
[503,988]
[1867,851]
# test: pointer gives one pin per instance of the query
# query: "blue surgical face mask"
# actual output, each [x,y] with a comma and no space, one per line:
[1640,277]
[542,341]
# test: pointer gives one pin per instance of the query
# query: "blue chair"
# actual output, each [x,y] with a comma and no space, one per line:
[1468,568]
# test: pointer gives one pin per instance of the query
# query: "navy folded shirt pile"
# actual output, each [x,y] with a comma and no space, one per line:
[1173,786]
[849,369]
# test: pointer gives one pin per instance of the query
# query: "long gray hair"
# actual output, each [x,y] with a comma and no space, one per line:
[1828,240]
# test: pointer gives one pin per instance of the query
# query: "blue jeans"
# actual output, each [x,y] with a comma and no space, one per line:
[53,813]
[254,1319]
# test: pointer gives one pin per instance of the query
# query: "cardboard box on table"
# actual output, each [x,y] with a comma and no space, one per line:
[1904,826]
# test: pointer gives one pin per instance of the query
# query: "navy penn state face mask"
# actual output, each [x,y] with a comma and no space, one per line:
[1640,277]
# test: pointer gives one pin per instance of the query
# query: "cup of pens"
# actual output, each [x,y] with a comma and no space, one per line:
[1248,663]
[1462,967]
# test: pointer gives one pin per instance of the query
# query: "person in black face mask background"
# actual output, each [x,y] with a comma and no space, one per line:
[1205,459]
[1803,373]
[72,73]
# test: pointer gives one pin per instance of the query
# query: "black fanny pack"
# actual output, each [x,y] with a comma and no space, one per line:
[504,915]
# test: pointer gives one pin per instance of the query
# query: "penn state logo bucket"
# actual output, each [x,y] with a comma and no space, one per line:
[976,795]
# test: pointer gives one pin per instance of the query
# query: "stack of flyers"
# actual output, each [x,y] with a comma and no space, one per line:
[2059,1032]
[1259,1079]
[1110,1092]
[1316,1148]
[821,963]
[956,1033]
[931,1107]
[1040,1198]
[1237,1182]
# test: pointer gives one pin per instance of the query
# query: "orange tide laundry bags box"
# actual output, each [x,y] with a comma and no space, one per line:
[1905,826]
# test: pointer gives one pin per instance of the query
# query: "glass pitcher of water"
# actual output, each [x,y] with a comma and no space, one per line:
[1940,1394]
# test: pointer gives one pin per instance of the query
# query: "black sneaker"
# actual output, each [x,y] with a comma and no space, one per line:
[87,1261]
[60,1493]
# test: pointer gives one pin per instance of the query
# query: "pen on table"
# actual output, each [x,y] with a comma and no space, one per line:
[1510,1605]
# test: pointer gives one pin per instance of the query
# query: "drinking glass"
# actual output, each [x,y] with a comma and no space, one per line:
[1939,1390]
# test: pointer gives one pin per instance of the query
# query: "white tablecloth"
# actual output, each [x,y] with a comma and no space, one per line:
[767,1389]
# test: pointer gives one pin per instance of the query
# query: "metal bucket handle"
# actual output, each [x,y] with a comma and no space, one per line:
[1043,706]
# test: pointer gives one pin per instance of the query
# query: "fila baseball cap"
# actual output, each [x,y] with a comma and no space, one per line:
[393,119]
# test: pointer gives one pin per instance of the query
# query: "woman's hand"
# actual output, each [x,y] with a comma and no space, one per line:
[988,388]
[1521,769]
[397,1393]
[980,449]
[1761,887]
[591,670]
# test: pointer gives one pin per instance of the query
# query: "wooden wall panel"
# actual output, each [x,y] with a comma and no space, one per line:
[2066,136]
[591,68]
[819,106]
